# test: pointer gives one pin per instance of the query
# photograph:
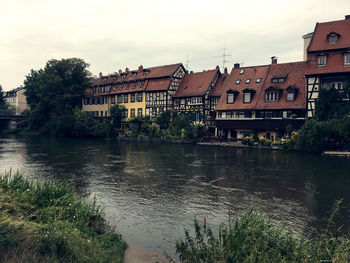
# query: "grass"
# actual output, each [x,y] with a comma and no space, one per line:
[48,222]
[253,237]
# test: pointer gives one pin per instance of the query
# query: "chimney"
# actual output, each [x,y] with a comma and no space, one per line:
[126,70]
[217,67]
[120,71]
[347,17]
[273,60]
[225,70]
[100,75]
[140,68]
[236,65]
[191,72]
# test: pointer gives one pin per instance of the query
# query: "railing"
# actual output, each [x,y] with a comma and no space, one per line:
[8,112]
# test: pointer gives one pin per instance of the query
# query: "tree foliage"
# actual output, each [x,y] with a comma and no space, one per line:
[117,113]
[332,103]
[53,93]
[3,104]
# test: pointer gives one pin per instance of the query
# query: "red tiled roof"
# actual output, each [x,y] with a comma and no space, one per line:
[218,88]
[252,73]
[195,84]
[158,84]
[152,72]
[295,79]
[319,40]
[334,64]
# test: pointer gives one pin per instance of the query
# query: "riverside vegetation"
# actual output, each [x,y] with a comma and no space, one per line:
[48,222]
[253,237]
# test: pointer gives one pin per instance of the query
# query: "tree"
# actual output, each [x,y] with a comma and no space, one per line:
[3,104]
[331,104]
[117,113]
[53,93]
[164,120]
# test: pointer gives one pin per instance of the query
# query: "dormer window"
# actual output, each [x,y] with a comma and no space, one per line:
[231,96]
[238,81]
[258,80]
[141,84]
[321,61]
[274,80]
[120,86]
[333,37]
[134,85]
[127,86]
[241,72]
[247,97]
[247,81]
[272,94]
[347,59]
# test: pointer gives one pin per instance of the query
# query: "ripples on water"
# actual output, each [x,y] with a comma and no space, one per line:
[151,192]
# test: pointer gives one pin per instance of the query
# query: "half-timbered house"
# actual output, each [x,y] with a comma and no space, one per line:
[143,92]
[192,97]
[328,59]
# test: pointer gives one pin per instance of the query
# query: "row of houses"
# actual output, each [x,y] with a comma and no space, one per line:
[261,100]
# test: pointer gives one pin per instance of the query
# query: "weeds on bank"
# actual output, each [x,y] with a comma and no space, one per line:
[253,237]
[42,222]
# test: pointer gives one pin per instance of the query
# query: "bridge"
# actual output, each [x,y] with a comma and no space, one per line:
[9,119]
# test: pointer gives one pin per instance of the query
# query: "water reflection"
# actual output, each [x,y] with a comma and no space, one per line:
[151,192]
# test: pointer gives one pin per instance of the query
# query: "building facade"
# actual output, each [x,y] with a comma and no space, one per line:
[17,100]
[143,92]
[328,59]
[262,101]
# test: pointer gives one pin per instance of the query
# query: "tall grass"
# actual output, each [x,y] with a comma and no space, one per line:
[253,237]
[41,222]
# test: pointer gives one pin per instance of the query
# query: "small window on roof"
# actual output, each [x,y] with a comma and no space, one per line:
[247,81]
[241,72]
[238,81]
[258,80]
[332,38]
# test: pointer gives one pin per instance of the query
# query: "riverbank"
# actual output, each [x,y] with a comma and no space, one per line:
[48,222]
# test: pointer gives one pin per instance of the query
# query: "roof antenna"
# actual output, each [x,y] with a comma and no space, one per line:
[187,62]
[224,55]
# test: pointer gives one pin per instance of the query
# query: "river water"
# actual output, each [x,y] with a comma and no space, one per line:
[152,192]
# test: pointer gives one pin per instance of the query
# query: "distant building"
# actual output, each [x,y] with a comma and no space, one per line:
[17,100]
[328,59]
[262,100]
[143,92]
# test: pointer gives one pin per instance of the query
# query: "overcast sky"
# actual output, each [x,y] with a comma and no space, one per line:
[112,35]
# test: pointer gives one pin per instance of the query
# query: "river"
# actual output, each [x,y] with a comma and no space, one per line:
[152,192]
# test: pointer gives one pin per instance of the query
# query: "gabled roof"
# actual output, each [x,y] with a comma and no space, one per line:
[137,75]
[218,88]
[196,84]
[295,80]
[320,41]
[158,84]
[252,73]
[334,64]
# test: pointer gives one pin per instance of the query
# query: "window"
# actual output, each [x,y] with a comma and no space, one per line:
[132,98]
[230,97]
[120,98]
[161,96]
[240,115]
[127,86]
[126,113]
[274,80]
[139,112]
[120,86]
[258,80]
[290,95]
[134,85]
[247,97]
[332,38]
[247,81]
[280,80]
[272,96]
[126,98]
[141,84]
[238,81]
[347,59]
[148,99]
[132,112]
[113,99]
[321,61]
[337,85]
[196,100]
[147,112]
[114,87]
[138,97]
[241,72]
